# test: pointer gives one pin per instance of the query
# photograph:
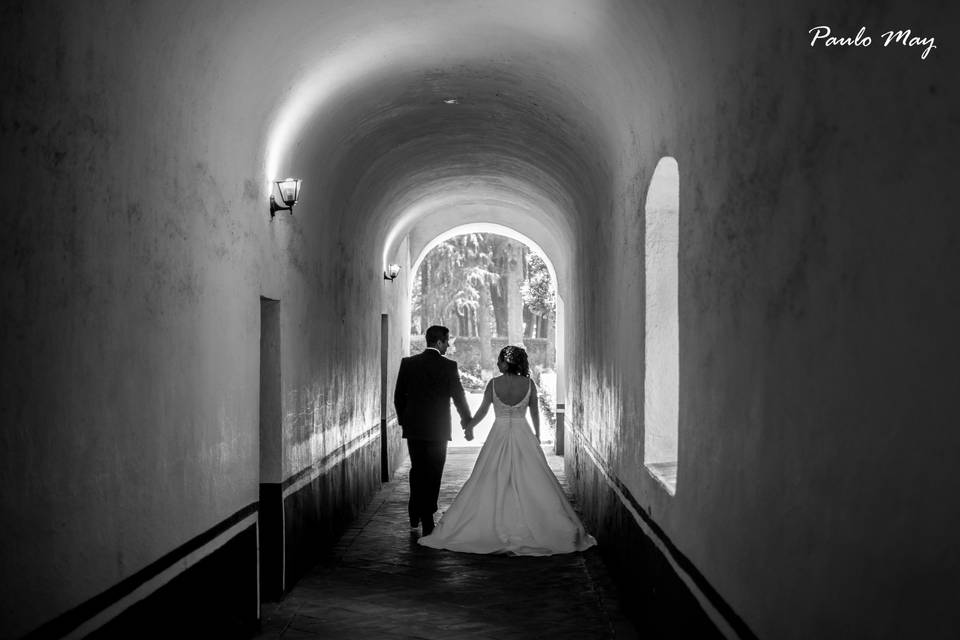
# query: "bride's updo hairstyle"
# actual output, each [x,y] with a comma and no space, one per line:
[515,359]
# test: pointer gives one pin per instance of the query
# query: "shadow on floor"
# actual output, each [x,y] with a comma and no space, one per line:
[377,582]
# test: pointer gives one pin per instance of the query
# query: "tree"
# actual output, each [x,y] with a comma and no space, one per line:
[498,300]
[453,289]
[539,294]
[537,289]
[485,285]
[485,323]
[512,281]
[439,286]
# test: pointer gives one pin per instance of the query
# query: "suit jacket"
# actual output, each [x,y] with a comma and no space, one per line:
[425,385]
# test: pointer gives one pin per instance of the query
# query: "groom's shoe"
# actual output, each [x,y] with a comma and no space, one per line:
[414,523]
[428,526]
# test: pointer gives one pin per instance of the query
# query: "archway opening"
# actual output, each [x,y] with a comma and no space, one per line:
[490,289]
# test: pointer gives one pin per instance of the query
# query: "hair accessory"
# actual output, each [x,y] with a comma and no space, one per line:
[516,358]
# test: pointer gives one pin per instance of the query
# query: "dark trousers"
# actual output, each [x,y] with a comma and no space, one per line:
[427,458]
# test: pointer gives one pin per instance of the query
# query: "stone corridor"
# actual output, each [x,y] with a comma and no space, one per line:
[220,215]
[377,582]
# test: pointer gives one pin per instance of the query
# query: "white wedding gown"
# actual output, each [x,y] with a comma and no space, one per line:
[512,503]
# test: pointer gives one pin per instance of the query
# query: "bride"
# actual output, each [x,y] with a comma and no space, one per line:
[512,503]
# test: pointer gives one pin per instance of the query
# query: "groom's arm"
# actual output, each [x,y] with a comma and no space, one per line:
[458,395]
[400,391]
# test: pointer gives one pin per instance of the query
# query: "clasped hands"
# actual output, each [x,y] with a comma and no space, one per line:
[467,429]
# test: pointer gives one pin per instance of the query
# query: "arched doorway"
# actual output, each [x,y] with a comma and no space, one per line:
[492,286]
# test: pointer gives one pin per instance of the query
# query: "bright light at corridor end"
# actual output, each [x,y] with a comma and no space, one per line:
[492,228]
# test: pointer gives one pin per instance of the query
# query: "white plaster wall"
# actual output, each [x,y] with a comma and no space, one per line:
[133,319]
[331,358]
[131,279]
[817,253]
[816,246]
[396,301]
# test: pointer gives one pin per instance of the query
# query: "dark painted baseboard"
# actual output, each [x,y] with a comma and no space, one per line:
[317,513]
[271,524]
[218,596]
[215,598]
[227,568]
[652,594]
[561,428]
[384,451]
[302,518]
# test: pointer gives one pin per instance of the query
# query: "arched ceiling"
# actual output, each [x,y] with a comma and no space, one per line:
[553,99]
[546,103]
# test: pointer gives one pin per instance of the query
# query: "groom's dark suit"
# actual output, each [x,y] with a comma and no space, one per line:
[425,385]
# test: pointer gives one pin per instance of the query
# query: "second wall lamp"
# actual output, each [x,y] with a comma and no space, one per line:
[392,272]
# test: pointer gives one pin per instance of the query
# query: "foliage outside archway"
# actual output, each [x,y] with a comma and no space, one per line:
[486,286]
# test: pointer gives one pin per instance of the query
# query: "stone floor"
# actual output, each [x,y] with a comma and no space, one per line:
[379,583]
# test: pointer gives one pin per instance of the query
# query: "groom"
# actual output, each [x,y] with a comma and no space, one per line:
[425,384]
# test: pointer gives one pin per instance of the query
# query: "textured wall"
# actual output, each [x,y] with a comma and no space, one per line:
[130,325]
[132,285]
[817,260]
[818,253]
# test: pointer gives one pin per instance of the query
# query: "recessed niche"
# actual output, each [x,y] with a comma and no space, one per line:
[661,337]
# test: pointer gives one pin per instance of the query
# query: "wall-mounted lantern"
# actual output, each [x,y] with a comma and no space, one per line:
[392,272]
[289,192]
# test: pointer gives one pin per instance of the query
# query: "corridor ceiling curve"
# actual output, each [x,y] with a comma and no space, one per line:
[390,108]
[174,348]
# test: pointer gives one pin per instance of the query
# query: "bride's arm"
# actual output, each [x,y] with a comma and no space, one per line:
[535,409]
[484,406]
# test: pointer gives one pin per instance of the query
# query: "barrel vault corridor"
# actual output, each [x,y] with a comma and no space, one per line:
[754,241]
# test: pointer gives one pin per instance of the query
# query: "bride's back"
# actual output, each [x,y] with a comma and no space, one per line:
[511,388]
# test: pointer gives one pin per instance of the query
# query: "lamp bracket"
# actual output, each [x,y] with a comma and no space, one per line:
[274,207]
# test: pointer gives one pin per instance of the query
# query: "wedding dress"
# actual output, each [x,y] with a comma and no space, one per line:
[512,503]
